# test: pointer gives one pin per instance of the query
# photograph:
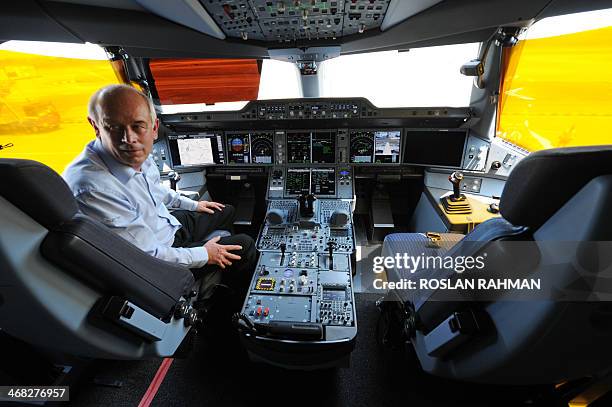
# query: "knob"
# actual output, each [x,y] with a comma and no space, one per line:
[455,178]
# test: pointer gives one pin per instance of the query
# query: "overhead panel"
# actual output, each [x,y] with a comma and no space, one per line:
[363,15]
[287,21]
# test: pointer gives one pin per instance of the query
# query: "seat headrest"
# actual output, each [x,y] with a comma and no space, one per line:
[545,180]
[37,190]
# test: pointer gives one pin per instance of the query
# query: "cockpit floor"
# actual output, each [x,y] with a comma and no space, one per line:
[376,378]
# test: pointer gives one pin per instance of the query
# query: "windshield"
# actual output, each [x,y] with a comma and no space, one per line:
[417,78]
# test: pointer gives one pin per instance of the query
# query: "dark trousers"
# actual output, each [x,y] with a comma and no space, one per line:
[196,227]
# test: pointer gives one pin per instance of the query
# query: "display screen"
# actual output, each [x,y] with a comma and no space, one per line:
[262,148]
[238,148]
[323,181]
[361,146]
[298,181]
[324,148]
[387,145]
[298,147]
[196,149]
[438,147]
[334,295]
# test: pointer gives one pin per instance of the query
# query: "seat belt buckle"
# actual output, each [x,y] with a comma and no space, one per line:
[433,240]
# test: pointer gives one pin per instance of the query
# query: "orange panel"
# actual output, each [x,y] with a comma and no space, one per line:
[185,81]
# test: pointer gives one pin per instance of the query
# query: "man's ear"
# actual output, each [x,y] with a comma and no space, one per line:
[155,129]
[94,125]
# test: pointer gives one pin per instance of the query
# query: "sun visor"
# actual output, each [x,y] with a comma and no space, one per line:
[188,81]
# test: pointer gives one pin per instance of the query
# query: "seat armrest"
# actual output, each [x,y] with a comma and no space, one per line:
[189,194]
[94,254]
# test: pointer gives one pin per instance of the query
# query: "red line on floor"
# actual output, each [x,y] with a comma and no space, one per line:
[156,382]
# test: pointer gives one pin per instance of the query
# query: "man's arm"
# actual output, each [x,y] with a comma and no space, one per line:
[174,200]
[122,217]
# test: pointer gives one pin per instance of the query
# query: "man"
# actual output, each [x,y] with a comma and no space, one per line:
[116,182]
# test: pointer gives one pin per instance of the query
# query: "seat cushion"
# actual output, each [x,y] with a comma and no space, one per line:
[415,244]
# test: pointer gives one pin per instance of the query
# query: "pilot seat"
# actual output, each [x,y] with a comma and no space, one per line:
[555,208]
[70,285]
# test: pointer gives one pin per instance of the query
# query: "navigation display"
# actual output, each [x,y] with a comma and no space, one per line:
[238,151]
[196,149]
[298,147]
[324,147]
[387,146]
[437,147]
[361,146]
[262,148]
[298,181]
[323,181]
[375,146]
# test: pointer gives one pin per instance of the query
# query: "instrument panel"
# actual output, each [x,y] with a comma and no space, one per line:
[321,132]
[320,148]
[375,146]
[196,149]
[249,147]
[318,181]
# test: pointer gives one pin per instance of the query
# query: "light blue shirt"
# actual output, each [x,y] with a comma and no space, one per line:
[132,204]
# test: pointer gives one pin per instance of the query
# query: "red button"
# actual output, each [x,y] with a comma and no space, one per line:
[258,312]
[266,312]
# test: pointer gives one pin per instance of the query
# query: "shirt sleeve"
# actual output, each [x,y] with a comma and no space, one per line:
[121,217]
[170,198]
[174,200]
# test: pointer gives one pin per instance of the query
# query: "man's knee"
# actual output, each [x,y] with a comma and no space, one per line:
[229,211]
[248,246]
[246,243]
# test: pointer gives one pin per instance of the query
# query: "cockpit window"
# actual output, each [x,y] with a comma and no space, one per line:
[556,89]
[417,78]
[44,91]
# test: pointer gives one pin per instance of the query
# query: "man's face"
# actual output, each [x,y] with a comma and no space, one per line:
[125,128]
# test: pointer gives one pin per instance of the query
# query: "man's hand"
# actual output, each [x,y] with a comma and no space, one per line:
[220,254]
[209,206]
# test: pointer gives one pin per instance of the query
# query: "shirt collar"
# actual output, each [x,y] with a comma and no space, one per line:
[121,171]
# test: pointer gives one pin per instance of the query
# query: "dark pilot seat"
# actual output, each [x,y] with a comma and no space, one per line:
[69,284]
[556,206]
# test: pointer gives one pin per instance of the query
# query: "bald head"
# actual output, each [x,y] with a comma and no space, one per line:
[108,94]
[124,120]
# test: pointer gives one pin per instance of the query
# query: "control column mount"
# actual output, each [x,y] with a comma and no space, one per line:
[174,178]
[457,203]
[330,250]
[306,202]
